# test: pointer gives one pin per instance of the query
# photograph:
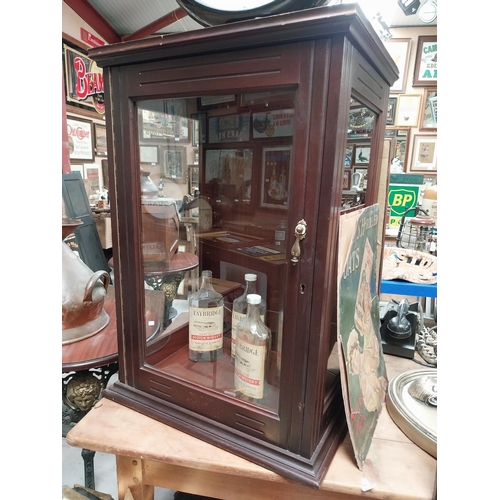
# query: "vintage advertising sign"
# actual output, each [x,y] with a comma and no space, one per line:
[84,80]
[81,145]
[229,128]
[362,366]
[400,198]
[277,123]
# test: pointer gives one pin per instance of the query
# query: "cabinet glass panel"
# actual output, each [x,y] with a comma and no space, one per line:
[230,217]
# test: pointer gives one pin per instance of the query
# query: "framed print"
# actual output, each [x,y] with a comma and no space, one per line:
[80,139]
[361,121]
[231,169]
[399,50]
[101,145]
[425,71]
[92,177]
[348,156]
[424,154]
[174,164]
[401,149]
[155,126]
[408,110]
[428,115]
[148,154]
[199,129]
[346,180]
[276,123]
[229,128]
[391,110]
[361,155]
[276,177]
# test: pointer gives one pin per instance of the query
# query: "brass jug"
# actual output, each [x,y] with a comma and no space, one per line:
[83,293]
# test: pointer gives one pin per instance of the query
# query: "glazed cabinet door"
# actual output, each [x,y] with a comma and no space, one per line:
[253,123]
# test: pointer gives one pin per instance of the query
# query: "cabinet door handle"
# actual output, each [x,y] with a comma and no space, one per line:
[300,234]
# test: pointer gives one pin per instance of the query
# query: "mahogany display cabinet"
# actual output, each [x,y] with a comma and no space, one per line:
[266,109]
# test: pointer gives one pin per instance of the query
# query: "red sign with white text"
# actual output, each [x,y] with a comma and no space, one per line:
[91,39]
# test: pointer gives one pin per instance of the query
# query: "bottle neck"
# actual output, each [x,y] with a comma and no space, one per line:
[253,311]
[206,283]
[251,287]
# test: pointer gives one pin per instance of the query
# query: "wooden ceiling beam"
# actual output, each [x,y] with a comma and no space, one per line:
[160,23]
[94,19]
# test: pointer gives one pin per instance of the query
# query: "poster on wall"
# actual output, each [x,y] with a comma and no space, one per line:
[362,367]
[229,128]
[80,141]
[84,80]
[426,62]
[277,123]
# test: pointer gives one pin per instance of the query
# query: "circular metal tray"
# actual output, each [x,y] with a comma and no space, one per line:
[416,419]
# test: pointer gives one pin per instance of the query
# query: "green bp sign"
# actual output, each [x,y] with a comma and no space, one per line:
[401,197]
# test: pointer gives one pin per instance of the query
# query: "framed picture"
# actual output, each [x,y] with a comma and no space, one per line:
[425,72]
[148,154]
[276,177]
[156,126]
[92,178]
[399,50]
[199,128]
[408,110]
[101,145]
[273,123]
[231,170]
[346,180]
[428,115]
[360,178]
[424,154]
[391,110]
[401,148]
[174,164]
[229,128]
[80,139]
[348,156]
[361,155]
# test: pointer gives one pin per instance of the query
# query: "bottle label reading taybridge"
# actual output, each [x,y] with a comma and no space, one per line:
[235,319]
[249,369]
[205,328]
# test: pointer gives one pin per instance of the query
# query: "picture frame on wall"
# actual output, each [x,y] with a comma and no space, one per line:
[232,171]
[424,154]
[348,156]
[408,110]
[399,50]
[425,71]
[276,163]
[148,154]
[174,164]
[101,144]
[428,115]
[391,111]
[361,155]
[346,180]
[80,139]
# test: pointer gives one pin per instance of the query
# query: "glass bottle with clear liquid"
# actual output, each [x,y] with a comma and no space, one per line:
[206,322]
[240,308]
[252,356]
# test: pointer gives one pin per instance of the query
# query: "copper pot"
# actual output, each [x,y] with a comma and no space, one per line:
[83,293]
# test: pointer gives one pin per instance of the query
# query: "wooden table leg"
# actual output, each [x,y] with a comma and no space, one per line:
[129,475]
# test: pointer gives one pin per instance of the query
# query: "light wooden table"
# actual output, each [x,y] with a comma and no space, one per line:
[149,453]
